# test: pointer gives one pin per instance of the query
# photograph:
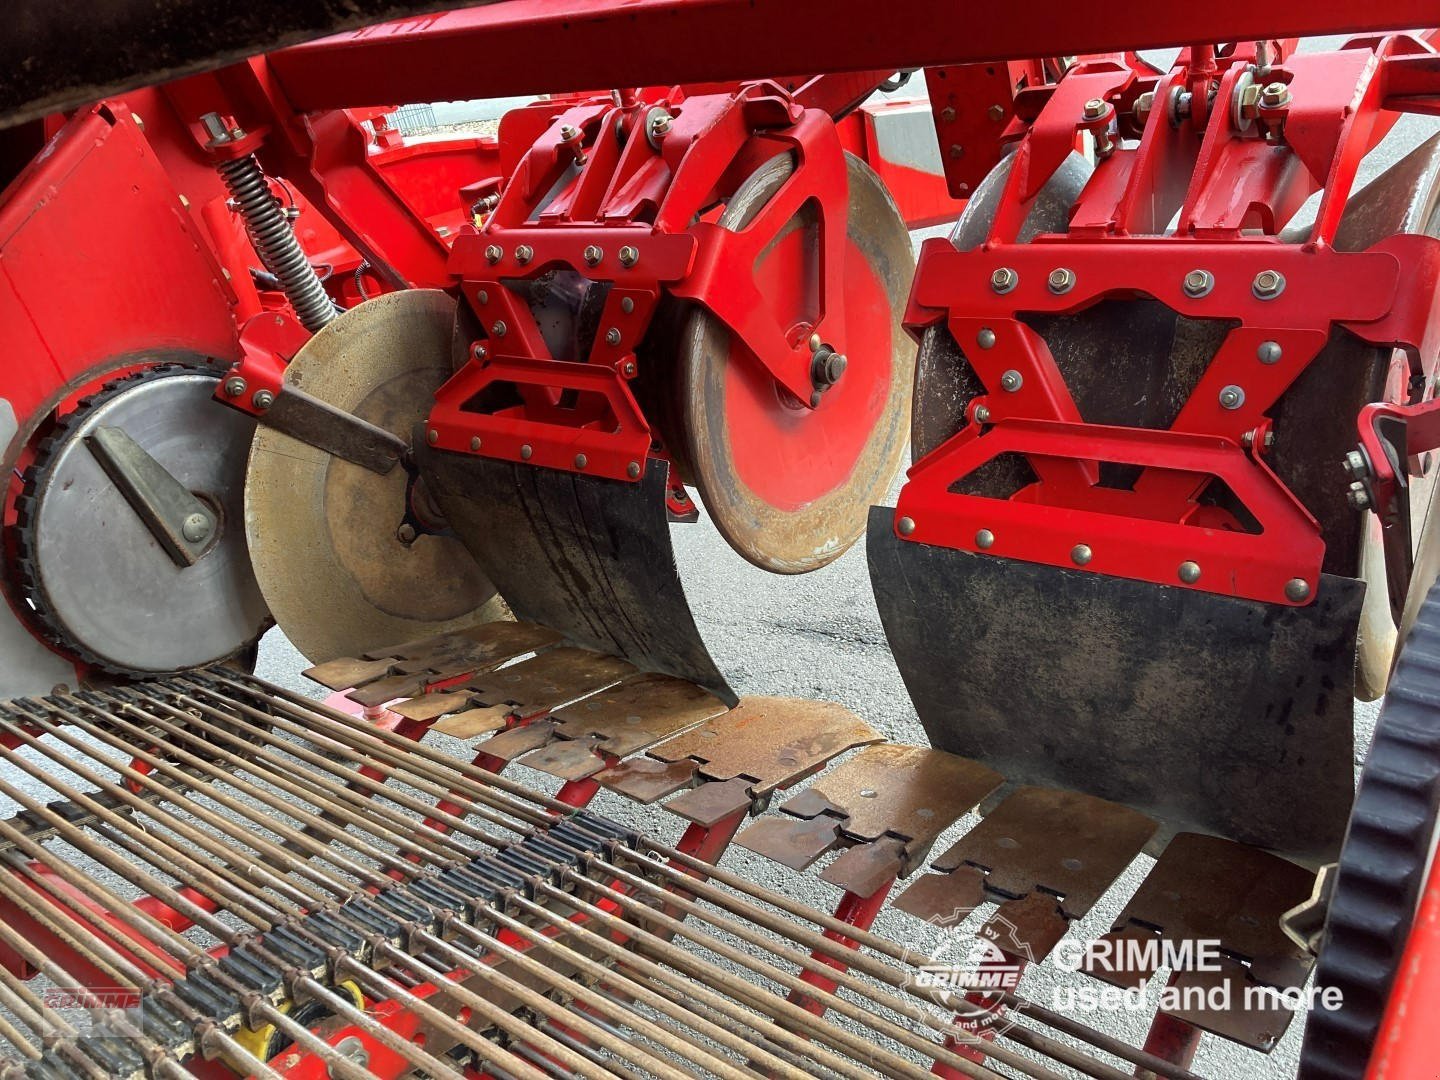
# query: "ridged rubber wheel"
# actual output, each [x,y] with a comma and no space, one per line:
[786,485]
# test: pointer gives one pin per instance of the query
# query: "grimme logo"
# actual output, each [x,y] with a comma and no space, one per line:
[86,1010]
[966,975]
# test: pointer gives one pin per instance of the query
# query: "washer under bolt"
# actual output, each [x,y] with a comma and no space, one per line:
[612,336]
[1198,283]
[905,526]
[1268,284]
[1081,554]
[592,255]
[1094,109]
[263,399]
[1004,279]
[524,253]
[1061,280]
[629,256]
[982,414]
[1189,572]
[195,528]
[1012,380]
[985,338]
[1269,352]
[984,539]
[234,386]
[1297,589]
[1355,465]
[1232,397]
[1275,95]
[494,253]
[479,352]
[499,328]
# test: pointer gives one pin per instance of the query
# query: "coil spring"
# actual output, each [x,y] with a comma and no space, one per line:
[274,239]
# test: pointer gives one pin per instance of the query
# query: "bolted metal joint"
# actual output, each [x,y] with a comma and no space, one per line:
[1275,95]
[1198,283]
[1004,279]
[1094,109]
[1011,381]
[1232,397]
[1061,280]
[593,255]
[1268,284]
[826,367]
[1358,496]
[1355,465]
[234,386]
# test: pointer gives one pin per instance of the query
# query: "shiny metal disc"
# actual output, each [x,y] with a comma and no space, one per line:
[97,575]
[323,531]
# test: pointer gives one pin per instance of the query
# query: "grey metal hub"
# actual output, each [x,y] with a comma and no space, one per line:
[99,577]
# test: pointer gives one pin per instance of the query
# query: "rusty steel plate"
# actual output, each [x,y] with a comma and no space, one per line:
[866,867]
[770,741]
[906,791]
[348,672]
[387,689]
[1207,888]
[509,745]
[792,842]
[943,899]
[567,759]
[644,779]
[473,722]
[476,648]
[548,680]
[1034,922]
[1256,1022]
[430,706]
[1066,843]
[709,804]
[322,531]
[638,713]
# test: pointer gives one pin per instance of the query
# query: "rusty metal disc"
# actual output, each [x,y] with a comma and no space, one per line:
[323,531]
[787,485]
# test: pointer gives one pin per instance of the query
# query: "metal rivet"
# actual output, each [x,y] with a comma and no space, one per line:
[234,386]
[1268,352]
[629,256]
[581,461]
[1061,280]
[612,336]
[524,253]
[985,338]
[1081,554]
[405,534]
[432,436]
[195,527]
[478,351]
[868,793]
[905,526]
[1199,283]
[633,470]
[482,296]
[592,254]
[1232,397]
[494,253]
[1268,284]
[996,113]
[1011,380]
[982,414]
[498,329]
[1189,572]
[984,539]
[1297,589]
[627,305]
[526,452]
[1004,279]
[263,399]
[475,442]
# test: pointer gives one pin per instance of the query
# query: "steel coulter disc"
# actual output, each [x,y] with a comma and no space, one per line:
[323,531]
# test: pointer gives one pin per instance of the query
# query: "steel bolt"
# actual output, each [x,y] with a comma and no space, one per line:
[405,534]
[629,256]
[1004,279]
[660,125]
[195,528]
[568,132]
[593,254]
[1276,95]
[526,452]
[1061,280]
[1012,380]
[996,113]
[627,305]
[1232,397]
[1081,554]
[494,253]
[628,369]
[499,328]
[1357,496]
[1189,572]
[234,386]
[612,336]
[826,367]
[982,414]
[985,338]
[1094,109]
[984,539]
[479,352]
[633,470]
[815,343]
[263,399]
[432,436]
[352,1049]
[524,253]
[1268,284]
[1355,465]
[1269,352]
[1143,104]
[1297,589]
[581,461]
[905,526]
[475,442]
[947,115]
[1199,283]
